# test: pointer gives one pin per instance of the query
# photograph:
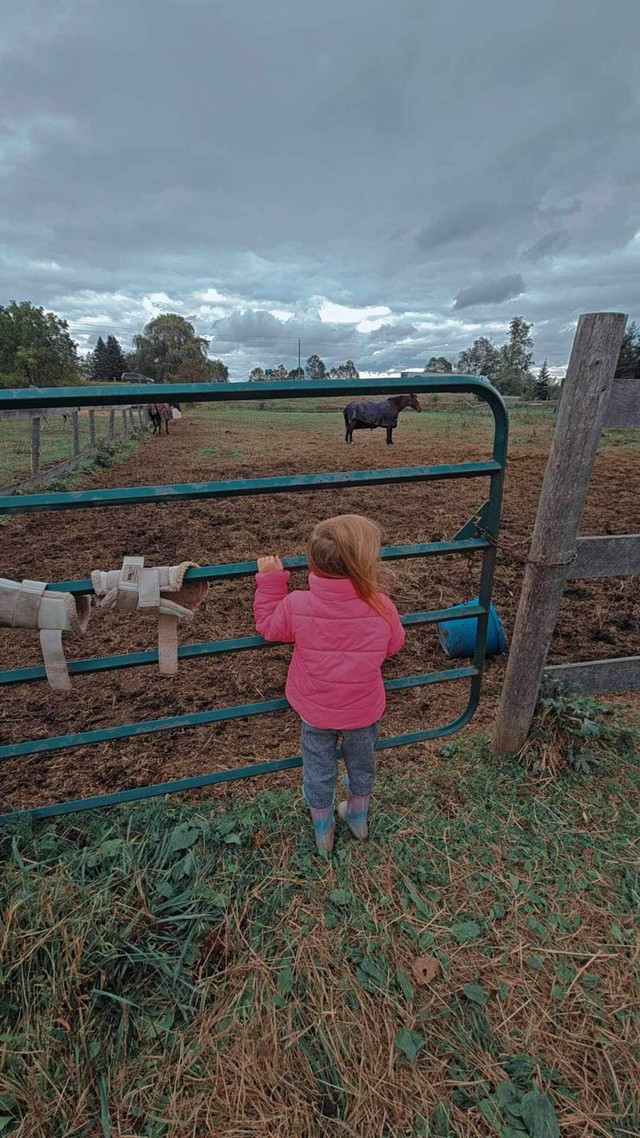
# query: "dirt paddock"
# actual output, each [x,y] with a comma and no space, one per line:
[598,618]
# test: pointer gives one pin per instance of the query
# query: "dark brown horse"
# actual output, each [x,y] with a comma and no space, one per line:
[160,413]
[366,416]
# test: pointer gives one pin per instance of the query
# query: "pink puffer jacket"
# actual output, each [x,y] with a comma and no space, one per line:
[340,643]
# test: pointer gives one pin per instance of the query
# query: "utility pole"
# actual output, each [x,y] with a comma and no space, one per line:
[298,358]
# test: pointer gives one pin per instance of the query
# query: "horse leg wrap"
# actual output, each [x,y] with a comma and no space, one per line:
[25,604]
[161,590]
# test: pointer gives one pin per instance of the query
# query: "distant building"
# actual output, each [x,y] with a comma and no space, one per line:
[411,371]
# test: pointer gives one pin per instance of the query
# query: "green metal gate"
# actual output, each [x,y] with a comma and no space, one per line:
[479,534]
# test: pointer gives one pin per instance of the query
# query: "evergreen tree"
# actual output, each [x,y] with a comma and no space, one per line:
[278,373]
[257,375]
[315,368]
[296,373]
[115,361]
[516,357]
[543,383]
[100,363]
[629,358]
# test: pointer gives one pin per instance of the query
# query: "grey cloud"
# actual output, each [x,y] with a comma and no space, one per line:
[551,242]
[392,333]
[490,292]
[457,224]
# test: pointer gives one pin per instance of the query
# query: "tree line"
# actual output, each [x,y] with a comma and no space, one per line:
[315,368]
[36,350]
[167,350]
[508,367]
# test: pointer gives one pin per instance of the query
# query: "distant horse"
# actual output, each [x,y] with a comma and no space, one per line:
[160,413]
[366,416]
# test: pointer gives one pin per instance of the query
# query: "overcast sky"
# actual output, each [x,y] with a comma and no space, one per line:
[386,179]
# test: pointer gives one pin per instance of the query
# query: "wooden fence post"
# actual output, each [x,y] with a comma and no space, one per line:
[125,429]
[131,422]
[35,444]
[112,422]
[92,428]
[579,421]
[75,436]
[140,419]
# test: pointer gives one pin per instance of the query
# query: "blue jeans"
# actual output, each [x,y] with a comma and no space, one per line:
[320,762]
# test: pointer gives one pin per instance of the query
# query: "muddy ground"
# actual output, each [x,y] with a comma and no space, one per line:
[598,618]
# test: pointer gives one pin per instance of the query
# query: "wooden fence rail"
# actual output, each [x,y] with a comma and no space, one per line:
[38,414]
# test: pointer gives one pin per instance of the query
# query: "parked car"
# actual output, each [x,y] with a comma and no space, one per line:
[135,377]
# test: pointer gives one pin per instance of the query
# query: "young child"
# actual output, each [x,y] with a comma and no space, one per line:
[342,628]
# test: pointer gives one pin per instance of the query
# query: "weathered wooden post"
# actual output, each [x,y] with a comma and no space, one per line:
[131,422]
[35,444]
[125,430]
[75,434]
[140,418]
[579,421]
[92,428]
[112,423]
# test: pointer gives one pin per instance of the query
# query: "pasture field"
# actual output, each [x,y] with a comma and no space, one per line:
[598,618]
[190,967]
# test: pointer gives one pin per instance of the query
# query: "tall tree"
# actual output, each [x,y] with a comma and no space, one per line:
[296,373]
[257,375]
[35,347]
[440,364]
[348,370]
[167,342]
[218,371]
[116,362]
[482,358]
[629,358]
[543,383]
[516,358]
[280,372]
[100,362]
[315,368]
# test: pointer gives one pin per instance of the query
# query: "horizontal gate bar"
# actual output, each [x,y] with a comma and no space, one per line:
[248,568]
[210,648]
[107,394]
[611,556]
[199,718]
[242,487]
[596,677]
[196,782]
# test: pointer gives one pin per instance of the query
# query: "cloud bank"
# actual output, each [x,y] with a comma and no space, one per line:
[384,182]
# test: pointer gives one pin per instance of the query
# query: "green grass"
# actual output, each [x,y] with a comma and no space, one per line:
[55,443]
[179,969]
[437,420]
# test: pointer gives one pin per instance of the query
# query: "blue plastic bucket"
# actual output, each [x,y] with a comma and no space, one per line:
[458,637]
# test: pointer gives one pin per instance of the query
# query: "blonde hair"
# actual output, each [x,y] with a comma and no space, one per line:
[349,546]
